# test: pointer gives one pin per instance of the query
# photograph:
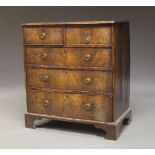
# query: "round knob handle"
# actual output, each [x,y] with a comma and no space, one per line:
[45,103]
[88,80]
[87,57]
[87,39]
[45,78]
[88,106]
[44,56]
[42,35]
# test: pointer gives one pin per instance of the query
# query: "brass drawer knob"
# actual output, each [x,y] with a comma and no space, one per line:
[87,57]
[88,106]
[45,78]
[44,56]
[46,103]
[86,39]
[88,80]
[42,35]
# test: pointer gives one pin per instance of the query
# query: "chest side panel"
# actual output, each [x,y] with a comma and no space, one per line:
[121,69]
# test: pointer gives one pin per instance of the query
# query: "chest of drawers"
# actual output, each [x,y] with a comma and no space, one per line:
[78,72]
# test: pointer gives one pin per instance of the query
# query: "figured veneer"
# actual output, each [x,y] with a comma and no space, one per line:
[78,72]
[41,35]
[88,35]
[93,81]
[69,57]
[81,106]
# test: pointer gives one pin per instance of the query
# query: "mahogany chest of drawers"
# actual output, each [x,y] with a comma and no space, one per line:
[78,72]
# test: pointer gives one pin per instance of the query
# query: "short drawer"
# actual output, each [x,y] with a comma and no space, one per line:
[69,57]
[73,80]
[88,35]
[78,106]
[41,35]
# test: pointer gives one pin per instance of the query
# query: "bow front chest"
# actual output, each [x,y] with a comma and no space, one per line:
[78,72]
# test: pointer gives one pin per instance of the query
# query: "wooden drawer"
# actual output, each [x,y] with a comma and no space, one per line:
[76,57]
[79,106]
[45,36]
[73,80]
[88,35]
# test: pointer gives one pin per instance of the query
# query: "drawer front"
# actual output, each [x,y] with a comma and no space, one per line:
[79,106]
[70,80]
[76,57]
[88,35]
[51,36]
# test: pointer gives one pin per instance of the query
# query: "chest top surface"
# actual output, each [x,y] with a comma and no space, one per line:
[73,23]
